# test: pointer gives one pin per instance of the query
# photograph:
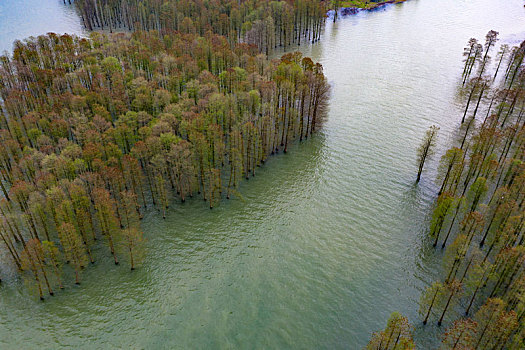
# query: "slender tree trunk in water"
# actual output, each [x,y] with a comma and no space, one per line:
[287,134]
[445,310]
[474,295]
[511,109]
[467,62]
[211,189]
[468,103]
[466,270]
[450,228]
[57,274]
[201,168]
[39,288]
[37,279]
[6,194]
[301,123]
[471,66]
[499,64]
[484,330]
[482,242]
[150,186]
[421,164]
[91,260]
[247,170]
[483,87]
[229,181]
[445,180]
[441,220]
[110,241]
[397,339]
[457,340]
[499,340]
[44,225]
[389,339]
[132,262]
[12,250]
[453,269]
[430,307]
[113,251]
[466,132]
[47,281]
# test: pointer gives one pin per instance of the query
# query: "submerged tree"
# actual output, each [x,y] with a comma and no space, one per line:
[460,335]
[396,336]
[74,249]
[33,261]
[432,297]
[132,238]
[426,150]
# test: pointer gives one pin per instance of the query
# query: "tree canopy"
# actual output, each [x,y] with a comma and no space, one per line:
[95,131]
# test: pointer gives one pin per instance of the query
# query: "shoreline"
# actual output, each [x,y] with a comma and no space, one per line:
[346,10]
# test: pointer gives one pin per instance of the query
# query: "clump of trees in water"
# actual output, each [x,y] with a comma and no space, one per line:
[266,24]
[396,336]
[93,132]
[479,214]
[426,149]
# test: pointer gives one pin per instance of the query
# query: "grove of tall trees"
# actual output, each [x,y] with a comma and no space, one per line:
[479,213]
[266,24]
[93,132]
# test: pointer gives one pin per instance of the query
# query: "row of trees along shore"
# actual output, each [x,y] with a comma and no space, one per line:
[266,24]
[479,212]
[95,131]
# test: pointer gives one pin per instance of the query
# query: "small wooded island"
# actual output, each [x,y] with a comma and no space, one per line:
[97,130]
[164,101]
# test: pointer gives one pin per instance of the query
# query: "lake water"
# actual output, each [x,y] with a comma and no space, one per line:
[20,19]
[329,239]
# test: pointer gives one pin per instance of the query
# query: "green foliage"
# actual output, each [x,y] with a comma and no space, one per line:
[396,336]
[263,24]
[482,182]
[115,125]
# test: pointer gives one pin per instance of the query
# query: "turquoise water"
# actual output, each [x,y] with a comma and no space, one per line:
[328,240]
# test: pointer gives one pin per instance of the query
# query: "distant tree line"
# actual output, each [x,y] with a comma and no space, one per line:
[93,132]
[479,213]
[266,24]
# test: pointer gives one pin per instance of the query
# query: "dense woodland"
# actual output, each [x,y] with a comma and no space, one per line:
[479,216]
[266,24]
[95,131]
